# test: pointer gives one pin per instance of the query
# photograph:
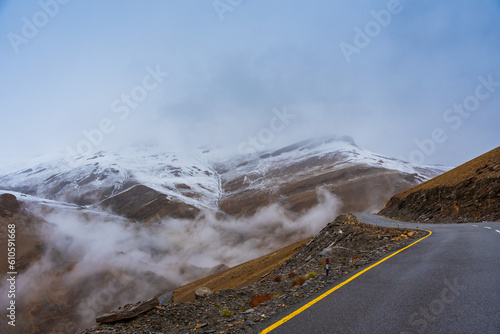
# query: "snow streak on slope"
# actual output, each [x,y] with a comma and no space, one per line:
[200,179]
[179,176]
[318,156]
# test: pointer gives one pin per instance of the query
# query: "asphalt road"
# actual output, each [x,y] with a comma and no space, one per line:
[446,283]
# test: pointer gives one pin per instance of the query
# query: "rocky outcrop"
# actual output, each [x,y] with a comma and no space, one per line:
[128,311]
[470,201]
[8,205]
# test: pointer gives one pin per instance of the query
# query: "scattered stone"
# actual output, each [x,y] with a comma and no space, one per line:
[257,300]
[265,275]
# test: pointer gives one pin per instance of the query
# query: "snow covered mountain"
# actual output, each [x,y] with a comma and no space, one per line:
[178,182]
[144,183]
[291,176]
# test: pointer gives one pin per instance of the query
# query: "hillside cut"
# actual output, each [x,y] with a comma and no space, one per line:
[468,193]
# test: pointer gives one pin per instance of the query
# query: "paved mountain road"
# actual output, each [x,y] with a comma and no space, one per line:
[446,283]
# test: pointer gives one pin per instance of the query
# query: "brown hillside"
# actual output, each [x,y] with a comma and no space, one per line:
[468,193]
[242,275]
[144,204]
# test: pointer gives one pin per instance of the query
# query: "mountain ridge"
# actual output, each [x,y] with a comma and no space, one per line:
[145,183]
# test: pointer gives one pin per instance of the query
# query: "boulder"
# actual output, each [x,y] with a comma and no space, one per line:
[202,292]
[128,311]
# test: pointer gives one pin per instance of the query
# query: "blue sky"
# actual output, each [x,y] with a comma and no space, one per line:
[231,63]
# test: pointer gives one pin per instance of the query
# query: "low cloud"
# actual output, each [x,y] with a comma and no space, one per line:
[94,263]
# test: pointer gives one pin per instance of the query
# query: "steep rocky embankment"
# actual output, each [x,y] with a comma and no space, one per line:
[348,243]
[468,193]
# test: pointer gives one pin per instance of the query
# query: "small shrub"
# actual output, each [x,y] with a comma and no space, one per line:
[226,313]
[279,279]
[342,261]
[257,300]
[311,275]
[276,295]
[292,274]
[299,281]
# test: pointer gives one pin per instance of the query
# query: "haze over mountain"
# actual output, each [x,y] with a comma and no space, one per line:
[143,183]
[104,224]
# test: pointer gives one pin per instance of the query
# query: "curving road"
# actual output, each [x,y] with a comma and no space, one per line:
[446,283]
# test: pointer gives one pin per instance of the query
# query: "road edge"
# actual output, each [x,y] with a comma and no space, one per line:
[338,286]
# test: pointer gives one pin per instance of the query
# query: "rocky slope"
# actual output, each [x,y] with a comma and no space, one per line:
[468,193]
[347,242]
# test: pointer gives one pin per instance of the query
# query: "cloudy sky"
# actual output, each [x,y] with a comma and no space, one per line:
[418,80]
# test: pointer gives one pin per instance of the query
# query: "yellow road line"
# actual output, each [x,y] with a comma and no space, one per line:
[311,303]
